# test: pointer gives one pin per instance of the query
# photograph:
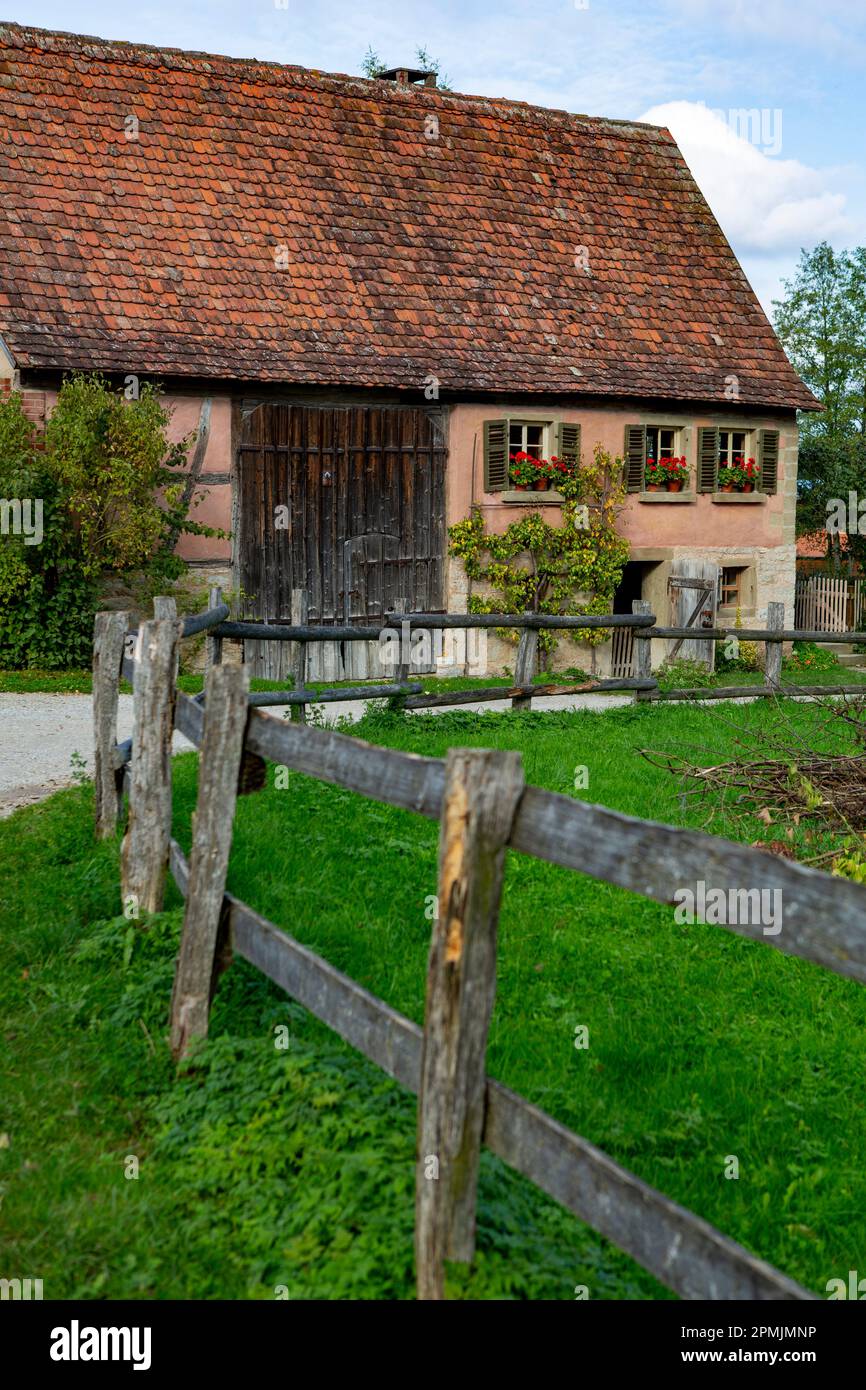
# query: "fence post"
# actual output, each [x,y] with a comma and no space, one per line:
[109,630]
[773,648]
[166,607]
[300,610]
[213,645]
[225,718]
[403,669]
[144,854]
[482,790]
[643,661]
[526,665]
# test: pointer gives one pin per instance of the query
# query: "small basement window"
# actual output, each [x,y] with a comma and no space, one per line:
[731,586]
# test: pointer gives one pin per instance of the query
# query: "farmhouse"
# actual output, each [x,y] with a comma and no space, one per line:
[366,294]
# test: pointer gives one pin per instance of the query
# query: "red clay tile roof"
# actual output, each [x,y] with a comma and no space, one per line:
[813,545]
[407,257]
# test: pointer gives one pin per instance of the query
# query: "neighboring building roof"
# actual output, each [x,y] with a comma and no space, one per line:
[407,257]
[814,545]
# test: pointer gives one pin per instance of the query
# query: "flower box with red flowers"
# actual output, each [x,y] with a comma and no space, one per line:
[741,475]
[675,472]
[539,474]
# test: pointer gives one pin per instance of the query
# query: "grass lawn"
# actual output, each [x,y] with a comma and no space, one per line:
[261,1167]
[79,682]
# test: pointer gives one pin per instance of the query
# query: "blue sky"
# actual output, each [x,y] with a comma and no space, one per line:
[789,177]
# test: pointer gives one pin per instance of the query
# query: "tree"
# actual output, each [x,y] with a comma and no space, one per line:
[822,324]
[814,324]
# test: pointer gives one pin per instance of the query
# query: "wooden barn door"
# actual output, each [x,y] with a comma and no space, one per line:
[694,588]
[347,503]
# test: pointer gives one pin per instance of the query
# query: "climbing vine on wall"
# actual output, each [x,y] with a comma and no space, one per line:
[534,567]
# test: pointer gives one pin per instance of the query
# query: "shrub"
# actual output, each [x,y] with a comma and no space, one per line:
[112,499]
[808,656]
[684,673]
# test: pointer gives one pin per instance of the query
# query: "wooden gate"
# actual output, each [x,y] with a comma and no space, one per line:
[822,603]
[348,504]
[694,587]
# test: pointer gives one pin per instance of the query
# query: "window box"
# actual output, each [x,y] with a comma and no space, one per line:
[665,496]
[739,498]
[547,497]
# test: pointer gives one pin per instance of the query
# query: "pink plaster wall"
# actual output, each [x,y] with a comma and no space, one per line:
[215,499]
[701,522]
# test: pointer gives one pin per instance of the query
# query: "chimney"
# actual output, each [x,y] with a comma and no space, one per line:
[408,77]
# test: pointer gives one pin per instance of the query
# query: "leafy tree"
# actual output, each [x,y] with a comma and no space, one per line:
[813,322]
[822,324]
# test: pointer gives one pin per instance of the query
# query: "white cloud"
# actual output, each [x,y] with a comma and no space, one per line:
[765,205]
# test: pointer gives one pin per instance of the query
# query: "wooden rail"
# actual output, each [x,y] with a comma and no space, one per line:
[638,627]
[483,809]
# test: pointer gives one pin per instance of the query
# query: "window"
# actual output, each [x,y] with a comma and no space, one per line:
[723,448]
[731,586]
[661,442]
[541,439]
[732,447]
[528,438]
[645,442]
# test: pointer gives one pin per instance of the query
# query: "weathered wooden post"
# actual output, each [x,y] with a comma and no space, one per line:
[109,630]
[144,854]
[300,610]
[166,607]
[526,665]
[225,717]
[213,645]
[482,791]
[773,648]
[642,648]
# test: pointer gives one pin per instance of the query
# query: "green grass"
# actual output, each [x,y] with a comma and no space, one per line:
[261,1168]
[79,682]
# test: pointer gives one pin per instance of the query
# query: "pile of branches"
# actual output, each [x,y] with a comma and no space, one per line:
[779,775]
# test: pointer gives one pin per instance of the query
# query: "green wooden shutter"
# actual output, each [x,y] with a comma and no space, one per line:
[568,442]
[495,455]
[768,459]
[635,457]
[708,459]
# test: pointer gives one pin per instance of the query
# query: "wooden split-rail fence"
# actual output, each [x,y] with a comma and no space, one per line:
[483,808]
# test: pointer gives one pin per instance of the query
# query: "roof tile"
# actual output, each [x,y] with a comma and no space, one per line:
[460,257]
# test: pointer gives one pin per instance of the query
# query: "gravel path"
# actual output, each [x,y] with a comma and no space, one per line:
[41,733]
